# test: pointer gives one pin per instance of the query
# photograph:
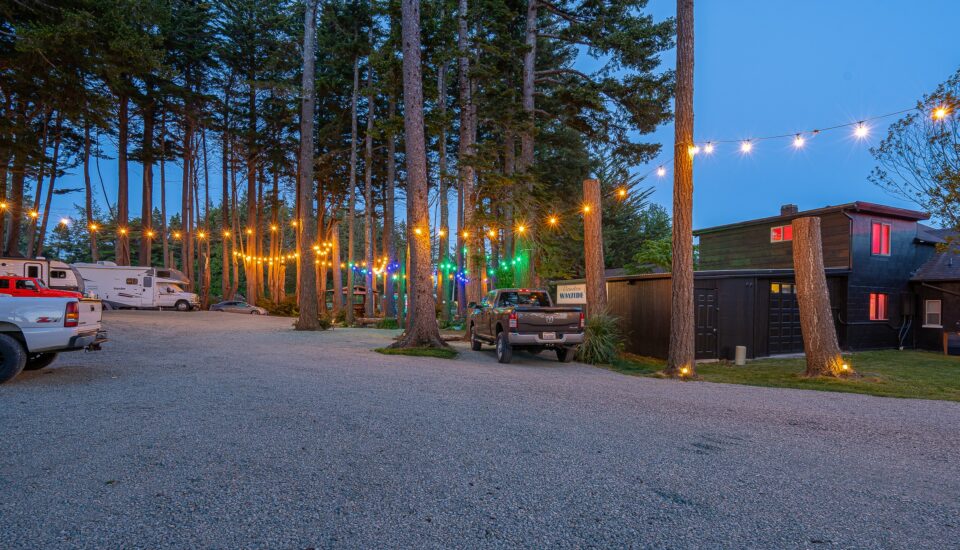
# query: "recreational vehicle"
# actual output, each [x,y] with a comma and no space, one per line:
[137,287]
[54,273]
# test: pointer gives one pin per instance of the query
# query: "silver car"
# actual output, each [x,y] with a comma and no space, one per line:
[238,307]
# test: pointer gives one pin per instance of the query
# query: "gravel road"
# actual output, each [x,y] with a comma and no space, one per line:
[226,431]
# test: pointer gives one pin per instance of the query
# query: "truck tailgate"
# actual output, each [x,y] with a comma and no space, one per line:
[91,313]
[548,319]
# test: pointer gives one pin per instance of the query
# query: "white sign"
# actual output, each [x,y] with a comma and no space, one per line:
[571,294]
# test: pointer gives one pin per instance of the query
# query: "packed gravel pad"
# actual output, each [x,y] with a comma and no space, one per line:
[225,431]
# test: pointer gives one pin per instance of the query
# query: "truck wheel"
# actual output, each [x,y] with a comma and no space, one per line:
[475,344]
[37,361]
[183,305]
[565,355]
[504,351]
[12,358]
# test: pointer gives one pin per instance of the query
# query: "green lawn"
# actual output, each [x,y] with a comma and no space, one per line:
[442,353]
[888,373]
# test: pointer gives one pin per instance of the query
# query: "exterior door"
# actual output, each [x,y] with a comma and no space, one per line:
[706,321]
[34,269]
[784,319]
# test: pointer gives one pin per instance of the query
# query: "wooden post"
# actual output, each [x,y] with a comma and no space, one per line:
[593,247]
[816,320]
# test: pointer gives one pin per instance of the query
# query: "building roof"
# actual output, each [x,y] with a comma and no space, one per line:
[859,206]
[944,265]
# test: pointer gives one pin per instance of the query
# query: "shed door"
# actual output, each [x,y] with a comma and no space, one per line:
[706,318]
[784,319]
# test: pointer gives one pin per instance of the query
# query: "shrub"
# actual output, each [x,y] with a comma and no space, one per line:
[285,308]
[341,316]
[388,322]
[325,321]
[442,353]
[602,340]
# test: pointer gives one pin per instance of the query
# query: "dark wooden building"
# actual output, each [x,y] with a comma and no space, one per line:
[745,293]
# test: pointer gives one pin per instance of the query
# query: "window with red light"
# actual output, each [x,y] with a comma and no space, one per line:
[781,233]
[880,239]
[878,306]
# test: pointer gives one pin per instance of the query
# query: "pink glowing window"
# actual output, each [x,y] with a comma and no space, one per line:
[880,239]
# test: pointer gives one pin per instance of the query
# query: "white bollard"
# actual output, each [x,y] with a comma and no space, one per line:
[741,356]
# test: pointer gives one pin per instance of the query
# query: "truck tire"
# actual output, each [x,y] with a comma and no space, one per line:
[565,355]
[37,361]
[183,305]
[504,351]
[475,344]
[12,358]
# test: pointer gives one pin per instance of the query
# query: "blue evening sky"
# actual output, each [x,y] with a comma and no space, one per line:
[762,67]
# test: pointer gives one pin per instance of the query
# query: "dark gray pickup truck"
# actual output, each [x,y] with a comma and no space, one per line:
[518,318]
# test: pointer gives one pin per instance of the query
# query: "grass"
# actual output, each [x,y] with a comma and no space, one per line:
[887,373]
[442,353]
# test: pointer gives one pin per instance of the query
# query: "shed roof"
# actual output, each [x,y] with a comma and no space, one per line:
[859,206]
[944,265]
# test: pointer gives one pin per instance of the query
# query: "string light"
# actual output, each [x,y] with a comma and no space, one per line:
[861,131]
[622,192]
[176,234]
[521,229]
[249,231]
[552,220]
[150,233]
[65,222]
[492,233]
[940,112]
[418,231]
[693,150]
[93,227]
[798,141]
[442,233]
[123,231]
[201,235]
[708,148]
[273,227]
[466,234]
[34,214]
[661,171]
[746,146]
[3,205]
[586,209]
[293,223]
[226,233]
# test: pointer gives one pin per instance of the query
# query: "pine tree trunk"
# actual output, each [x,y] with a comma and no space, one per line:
[32,214]
[468,136]
[225,220]
[422,329]
[123,198]
[389,247]
[593,248]
[307,300]
[352,201]
[525,252]
[816,318]
[368,205]
[88,189]
[509,167]
[163,189]
[443,245]
[54,162]
[681,357]
[253,224]
[337,273]
[146,210]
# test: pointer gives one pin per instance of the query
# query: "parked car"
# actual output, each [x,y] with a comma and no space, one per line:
[519,318]
[33,331]
[137,287]
[233,306]
[31,287]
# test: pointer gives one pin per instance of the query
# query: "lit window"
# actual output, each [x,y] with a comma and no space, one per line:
[781,233]
[880,239]
[931,314]
[878,306]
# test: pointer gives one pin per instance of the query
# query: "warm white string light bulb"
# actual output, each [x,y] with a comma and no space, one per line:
[798,141]
[861,131]
[661,171]
[746,146]
[708,148]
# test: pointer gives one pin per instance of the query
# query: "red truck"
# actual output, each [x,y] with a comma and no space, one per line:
[25,287]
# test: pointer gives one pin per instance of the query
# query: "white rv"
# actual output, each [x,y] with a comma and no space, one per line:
[54,273]
[137,287]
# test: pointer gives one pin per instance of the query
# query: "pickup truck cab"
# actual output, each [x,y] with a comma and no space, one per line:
[34,330]
[32,287]
[520,318]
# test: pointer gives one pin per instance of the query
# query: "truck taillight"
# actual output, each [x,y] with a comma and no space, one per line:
[71,317]
[581,320]
[513,320]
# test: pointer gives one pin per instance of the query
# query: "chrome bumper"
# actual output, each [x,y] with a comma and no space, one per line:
[568,339]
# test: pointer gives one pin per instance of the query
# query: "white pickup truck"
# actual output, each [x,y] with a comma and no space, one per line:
[34,330]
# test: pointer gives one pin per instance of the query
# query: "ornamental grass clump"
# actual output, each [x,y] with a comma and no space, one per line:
[602,340]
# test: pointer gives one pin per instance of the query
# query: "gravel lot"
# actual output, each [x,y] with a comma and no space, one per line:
[225,431]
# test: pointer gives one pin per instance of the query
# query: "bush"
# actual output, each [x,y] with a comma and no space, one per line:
[442,353]
[341,316]
[285,308]
[602,340]
[388,322]
[325,321]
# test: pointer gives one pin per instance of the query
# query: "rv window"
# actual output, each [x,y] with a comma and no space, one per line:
[148,282]
[131,281]
[4,283]
[33,271]
[58,274]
